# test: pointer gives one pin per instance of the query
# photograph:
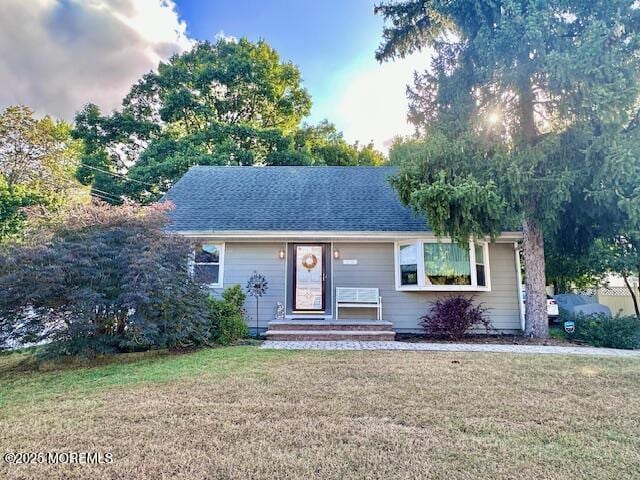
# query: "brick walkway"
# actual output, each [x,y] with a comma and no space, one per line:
[448,347]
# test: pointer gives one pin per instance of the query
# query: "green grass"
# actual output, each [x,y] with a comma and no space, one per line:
[24,378]
[242,412]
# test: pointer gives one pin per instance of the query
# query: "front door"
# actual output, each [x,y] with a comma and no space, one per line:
[309,278]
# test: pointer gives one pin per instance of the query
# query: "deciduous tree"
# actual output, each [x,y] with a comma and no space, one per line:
[38,159]
[223,103]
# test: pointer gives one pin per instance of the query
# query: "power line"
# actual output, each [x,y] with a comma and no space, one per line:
[117,175]
[109,199]
[106,193]
[102,197]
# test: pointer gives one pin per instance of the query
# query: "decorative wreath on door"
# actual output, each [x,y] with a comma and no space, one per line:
[309,261]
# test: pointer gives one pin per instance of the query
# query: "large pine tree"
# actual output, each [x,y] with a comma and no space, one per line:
[528,109]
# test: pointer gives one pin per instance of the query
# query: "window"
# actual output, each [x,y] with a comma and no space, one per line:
[409,264]
[446,264]
[479,249]
[443,266]
[207,264]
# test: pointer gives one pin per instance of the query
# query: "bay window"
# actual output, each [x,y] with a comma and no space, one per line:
[442,266]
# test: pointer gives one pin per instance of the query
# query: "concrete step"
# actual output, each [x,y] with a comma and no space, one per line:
[309,335]
[322,325]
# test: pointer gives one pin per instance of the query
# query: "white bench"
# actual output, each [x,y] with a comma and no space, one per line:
[360,298]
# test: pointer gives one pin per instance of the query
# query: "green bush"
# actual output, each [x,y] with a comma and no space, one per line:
[227,315]
[603,331]
[232,328]
[235,296]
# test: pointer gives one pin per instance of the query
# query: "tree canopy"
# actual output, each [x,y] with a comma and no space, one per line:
[38,160]
[222,103]
[529,110]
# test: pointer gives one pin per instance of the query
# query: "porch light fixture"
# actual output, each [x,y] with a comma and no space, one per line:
[336,254]
[281,254]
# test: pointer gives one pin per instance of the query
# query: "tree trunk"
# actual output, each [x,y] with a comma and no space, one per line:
[536,323]
[633,295]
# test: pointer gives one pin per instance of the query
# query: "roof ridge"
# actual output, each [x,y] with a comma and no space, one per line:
[295,166]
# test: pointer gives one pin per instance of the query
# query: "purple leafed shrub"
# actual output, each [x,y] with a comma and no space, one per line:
[106,279]
[452,317]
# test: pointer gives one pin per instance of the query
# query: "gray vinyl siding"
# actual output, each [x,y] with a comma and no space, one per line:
[375,269]
[241,260]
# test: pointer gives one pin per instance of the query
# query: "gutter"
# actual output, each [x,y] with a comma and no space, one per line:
[252,235]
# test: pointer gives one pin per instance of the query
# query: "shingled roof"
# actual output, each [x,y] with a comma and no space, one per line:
[319,199]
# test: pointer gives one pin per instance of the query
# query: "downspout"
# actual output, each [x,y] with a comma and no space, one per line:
[516,250]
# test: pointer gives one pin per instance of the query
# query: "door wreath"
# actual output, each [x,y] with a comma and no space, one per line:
[309,261]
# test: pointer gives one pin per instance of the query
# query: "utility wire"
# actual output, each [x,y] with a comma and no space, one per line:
[95,196]
[117,175]
[111,199]
[106,193]
[105,197]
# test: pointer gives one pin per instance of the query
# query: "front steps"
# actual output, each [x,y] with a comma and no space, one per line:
[331,330]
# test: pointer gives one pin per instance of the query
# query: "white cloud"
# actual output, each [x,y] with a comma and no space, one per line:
[372,104]
[60,54]
[223,36]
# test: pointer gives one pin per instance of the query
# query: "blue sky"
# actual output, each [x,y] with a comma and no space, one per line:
[328,39]
[58,55]
[333,42]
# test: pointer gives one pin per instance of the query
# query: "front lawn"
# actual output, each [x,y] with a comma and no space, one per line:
[241,412]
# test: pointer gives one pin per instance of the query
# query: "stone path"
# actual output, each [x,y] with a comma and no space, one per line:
[448,347]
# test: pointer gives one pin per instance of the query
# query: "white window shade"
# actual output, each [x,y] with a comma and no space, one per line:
[446,264]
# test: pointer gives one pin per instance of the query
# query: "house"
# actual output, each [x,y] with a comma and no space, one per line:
[329,236]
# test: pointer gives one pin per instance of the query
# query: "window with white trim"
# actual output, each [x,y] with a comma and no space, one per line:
[409,264]
[208,259]
[442,266]
[480,267]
